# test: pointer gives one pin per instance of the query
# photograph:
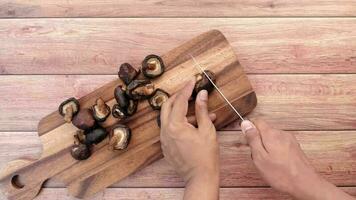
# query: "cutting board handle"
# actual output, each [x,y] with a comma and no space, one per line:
[17,186]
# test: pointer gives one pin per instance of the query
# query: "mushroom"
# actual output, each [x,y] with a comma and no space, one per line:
[118,112]
[119,137]
[80,151]
[84,119]
[140,89]
[132,108]
[203,83]
[152,66]
[69,108]
[101,110]
[127,73]
[95,136]
[158,98]
[120,96]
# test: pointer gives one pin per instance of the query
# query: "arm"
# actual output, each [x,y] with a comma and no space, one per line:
[193,152]
[282,164]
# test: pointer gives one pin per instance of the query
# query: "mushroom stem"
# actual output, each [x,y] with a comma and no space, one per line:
[69,114]
[152,65]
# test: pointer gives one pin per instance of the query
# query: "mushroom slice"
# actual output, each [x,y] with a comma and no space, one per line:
[95,136]
[158,98]
[152,66]
[119,137]
[84,119]
[118,111]
[120,96]
[80,151]
[69,108]
[203,83]
[140,89]
[132,108]
[101,110]
[127,73]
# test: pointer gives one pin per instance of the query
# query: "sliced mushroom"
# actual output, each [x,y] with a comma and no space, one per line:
[132,108]
[80,151]
[203,83]
[127,73]
[119,137]
[140,89]
[84,119]
[118,112]
[69,108]
[121,97]
[152,66]
[101,110]
[158,98]
[95,136]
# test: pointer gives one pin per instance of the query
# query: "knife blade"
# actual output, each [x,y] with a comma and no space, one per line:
[199,67]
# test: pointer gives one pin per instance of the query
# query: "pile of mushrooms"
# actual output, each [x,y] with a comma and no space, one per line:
[134,88]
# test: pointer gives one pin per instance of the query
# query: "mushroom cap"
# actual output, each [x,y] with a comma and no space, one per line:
[132,108]
[120,136]
[121,97]
[101,111]
[80,151]
[203,83]
[152,66]
[95,136]
[118,112]
[69,102]
[140,89]
[127,73]
[158,98]
[84,119]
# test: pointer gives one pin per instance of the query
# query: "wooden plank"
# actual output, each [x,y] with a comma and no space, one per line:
[332,153]
[154,8]
[98,46]
[293,102]
[174,194]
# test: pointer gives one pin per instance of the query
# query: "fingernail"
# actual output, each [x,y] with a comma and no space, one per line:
[203,95]
[246,126]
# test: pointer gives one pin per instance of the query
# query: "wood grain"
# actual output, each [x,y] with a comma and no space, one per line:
[98,46]
[155,8]
[332,153]
[293,102]
[174,194]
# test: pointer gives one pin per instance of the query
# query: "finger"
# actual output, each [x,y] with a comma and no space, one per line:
[253,138]
[201,109]
[180,104]
[166,110]
[193,120]
[267,132]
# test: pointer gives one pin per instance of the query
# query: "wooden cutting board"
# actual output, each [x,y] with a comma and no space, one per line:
[23,178]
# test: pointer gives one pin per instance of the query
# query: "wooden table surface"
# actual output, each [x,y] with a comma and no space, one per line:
[299,55]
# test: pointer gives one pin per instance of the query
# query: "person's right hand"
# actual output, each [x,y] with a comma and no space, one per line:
[283,165]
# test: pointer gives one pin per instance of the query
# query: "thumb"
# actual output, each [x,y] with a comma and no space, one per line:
[201,109]
[253,137]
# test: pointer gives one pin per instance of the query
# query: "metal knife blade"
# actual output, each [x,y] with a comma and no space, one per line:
[198,66]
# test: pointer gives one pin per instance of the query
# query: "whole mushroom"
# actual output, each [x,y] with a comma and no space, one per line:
[127,73]
[69,108]
[120,96]
[80,151]
[140,89]
[119,137]
[84,119]
[152,66]
[158,98]
[101,110]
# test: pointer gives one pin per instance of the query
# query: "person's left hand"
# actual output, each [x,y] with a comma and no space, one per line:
[193,152]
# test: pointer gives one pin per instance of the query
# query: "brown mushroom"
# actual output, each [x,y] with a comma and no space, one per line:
[119,112]
[132,108]
[158,98]
[84,119]
[203,83]
[101,110]
[69,108]
[140,89]
[152,66]
[127,73]
[95,136]
[119,137]
[120,96]
[80,151]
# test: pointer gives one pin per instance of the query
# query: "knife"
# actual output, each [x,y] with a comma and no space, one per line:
[198,66]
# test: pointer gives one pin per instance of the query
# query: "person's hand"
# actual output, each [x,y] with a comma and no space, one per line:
[283,165]
[193,152]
